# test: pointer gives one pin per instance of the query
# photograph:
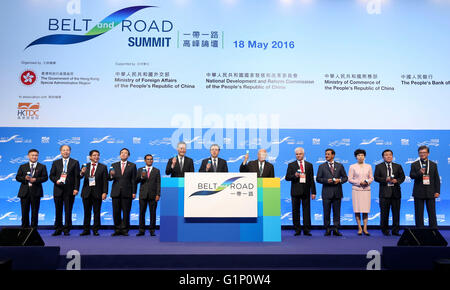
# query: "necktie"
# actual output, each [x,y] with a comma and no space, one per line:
[181,163]
[260,168]
[123,167]
[332,168]
[65,165]
[32,170]
[93,169]
[214,165]
[148,172]
[301,167]
[389,170]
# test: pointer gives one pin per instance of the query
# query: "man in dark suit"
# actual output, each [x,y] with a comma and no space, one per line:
[178,165]
[427,186]
[389,175]
[31,175]
[214,163]
[65,174]
[331,175]
[123,174]
[149,193]
[301,175]
[94,191]
[260,166]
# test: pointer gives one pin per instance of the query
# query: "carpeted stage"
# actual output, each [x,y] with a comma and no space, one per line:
[300,252]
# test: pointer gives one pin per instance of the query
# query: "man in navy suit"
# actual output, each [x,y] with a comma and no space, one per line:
[65,174]
[31,175]
[123,191]
[214,163]
[427,186]
[149,193]
[94,191]
[331,175]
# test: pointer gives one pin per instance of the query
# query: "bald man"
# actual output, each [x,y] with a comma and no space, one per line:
[260,166]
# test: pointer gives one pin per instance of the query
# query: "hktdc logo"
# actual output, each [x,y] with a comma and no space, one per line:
[26,111]
[28,78]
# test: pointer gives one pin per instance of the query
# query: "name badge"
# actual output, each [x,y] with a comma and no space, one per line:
[302,178]
[63,177]
[91,181]
[426,180]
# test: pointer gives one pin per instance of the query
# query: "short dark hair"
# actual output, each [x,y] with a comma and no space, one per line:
[61,147]
[423,147]
[93,151]
[332,151]
[360,151]
[145,157]
[387,150]
[125,149]
[33,150]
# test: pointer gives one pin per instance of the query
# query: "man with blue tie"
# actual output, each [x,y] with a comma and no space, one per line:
[331,175]
[65,174]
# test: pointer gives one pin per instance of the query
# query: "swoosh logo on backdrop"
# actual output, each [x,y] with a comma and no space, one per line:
[103,27]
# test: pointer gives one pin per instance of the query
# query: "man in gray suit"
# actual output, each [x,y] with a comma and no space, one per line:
[331,175]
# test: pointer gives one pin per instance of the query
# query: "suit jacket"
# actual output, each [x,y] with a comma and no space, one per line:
[150,186]
[123,184]
[176,171]
[40,173]
[301,189]
[72,179]
[253,166]
[221,165]
[380,176]
[330,190]
[425,191]
[101,181]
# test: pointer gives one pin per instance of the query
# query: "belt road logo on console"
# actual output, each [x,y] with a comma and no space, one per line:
[118,18]
[237,188]
[28,111]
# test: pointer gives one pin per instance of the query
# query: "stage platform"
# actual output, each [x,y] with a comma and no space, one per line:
[294,252]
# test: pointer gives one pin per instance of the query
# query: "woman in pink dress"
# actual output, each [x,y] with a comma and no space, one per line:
[360,176]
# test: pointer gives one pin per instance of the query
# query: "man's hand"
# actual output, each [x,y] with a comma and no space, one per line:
[75,192]
[246,158]
[134,195]
[104,196]
[313,196]
[174,161]
[157,198]
[436,195]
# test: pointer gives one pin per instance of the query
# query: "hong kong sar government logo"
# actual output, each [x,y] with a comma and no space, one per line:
[28,77]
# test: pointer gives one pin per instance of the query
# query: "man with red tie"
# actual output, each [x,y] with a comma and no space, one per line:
[123,174]
[94,191]
[301,175]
